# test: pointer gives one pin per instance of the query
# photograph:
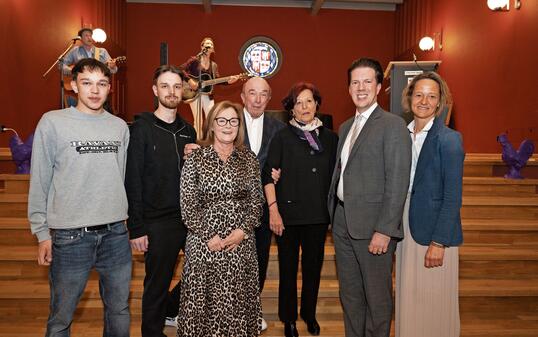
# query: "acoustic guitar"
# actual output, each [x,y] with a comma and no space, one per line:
[205,85]
[67,78]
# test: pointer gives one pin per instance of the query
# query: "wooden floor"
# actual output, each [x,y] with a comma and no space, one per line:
[498,266]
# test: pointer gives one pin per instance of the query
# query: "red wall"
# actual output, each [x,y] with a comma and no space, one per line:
[315,48]
[488,57]
[489,61]
[32,35]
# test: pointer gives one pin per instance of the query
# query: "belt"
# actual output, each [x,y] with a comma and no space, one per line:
[340,202]
[96,228]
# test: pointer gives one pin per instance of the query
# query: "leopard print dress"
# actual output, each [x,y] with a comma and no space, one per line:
[219,291]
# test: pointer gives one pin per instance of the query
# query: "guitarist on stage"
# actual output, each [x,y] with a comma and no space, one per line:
[197,67]
[87,50]
[84,51]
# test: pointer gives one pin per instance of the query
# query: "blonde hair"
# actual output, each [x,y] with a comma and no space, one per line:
[209,134]
[445,98]
[207,38]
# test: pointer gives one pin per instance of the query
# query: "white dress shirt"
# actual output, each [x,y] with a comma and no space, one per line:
[417,143]
[254,130]
[360,118]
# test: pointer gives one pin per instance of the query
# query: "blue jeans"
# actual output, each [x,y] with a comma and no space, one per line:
[74,253]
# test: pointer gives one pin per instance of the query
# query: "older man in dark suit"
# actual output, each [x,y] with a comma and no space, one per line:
[366,202]
[259,130]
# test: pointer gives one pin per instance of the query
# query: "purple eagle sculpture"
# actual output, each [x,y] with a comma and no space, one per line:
[515,159]
[21,152]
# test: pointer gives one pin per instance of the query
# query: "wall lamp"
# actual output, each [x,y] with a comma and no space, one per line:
[99,35]
[503,5]
[428,43]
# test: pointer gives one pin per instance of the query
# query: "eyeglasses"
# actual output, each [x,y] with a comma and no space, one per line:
[221,121]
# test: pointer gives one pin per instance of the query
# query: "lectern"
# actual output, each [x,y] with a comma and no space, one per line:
[401,73]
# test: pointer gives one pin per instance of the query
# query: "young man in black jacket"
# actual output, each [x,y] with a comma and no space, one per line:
[154,161]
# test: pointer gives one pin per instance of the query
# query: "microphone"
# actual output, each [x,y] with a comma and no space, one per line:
[416,63]
[76,38]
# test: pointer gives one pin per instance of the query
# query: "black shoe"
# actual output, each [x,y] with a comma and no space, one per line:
[290,329]
[313,327]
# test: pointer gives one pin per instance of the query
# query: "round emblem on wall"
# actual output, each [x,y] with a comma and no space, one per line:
[260,56]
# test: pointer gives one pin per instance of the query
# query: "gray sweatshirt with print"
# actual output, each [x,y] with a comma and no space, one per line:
[77,171]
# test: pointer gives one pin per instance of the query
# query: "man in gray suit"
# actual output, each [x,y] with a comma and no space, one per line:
[366,201]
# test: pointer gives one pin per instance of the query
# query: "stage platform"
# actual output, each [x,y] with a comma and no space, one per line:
[498,264]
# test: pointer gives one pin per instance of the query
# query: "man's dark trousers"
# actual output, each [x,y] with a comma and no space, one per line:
[166,238]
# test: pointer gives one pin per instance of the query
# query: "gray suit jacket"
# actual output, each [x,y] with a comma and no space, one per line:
[376,177]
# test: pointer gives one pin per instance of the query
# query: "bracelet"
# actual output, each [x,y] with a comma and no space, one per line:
[271,204]
[438,245]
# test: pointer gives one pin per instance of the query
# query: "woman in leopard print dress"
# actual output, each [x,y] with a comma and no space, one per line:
[221,204]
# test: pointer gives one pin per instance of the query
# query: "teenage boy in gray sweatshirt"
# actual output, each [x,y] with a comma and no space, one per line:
[77,204]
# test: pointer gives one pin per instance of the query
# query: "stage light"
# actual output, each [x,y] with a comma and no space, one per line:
[426,43]
[503,5]
[497,5]
[99,35]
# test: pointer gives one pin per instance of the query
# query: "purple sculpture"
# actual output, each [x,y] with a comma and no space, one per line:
[515,160]
[21,152]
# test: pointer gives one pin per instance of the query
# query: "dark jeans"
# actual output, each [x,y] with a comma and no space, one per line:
[166,238]
[311,240]
[75,253]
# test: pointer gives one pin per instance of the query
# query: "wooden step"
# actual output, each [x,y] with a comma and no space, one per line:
[468,224]
[491,165]
[499,288]
[33,289]
[13,205]
[500,207]
[467,252]
[517,318]
[469,269]
[14,183]
[476,261]
[16,231]
[13,198]
[83,327]
[14,223]
[498,252]
[500,231]
[496,269]
[5,154]
[499,186]
[474,207]
[496,225]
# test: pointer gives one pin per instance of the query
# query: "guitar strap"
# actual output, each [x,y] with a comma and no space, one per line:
[214,70]
[97,54]
[214,75]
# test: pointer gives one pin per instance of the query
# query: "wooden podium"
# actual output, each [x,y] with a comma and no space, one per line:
[401,73]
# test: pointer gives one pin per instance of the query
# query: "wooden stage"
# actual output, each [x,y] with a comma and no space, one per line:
[498,264]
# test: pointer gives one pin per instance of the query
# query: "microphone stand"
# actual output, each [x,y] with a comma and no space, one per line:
[60,61]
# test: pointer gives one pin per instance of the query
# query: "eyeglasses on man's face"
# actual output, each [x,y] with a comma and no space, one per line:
[221,121]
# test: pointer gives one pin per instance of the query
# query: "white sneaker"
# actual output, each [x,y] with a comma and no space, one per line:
[171,321]
[264,324]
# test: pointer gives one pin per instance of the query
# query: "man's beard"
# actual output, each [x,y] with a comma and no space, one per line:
[169,104]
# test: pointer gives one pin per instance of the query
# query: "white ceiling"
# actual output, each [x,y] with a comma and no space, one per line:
[314,5]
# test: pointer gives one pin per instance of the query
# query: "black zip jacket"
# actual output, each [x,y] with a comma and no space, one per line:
[154,161]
